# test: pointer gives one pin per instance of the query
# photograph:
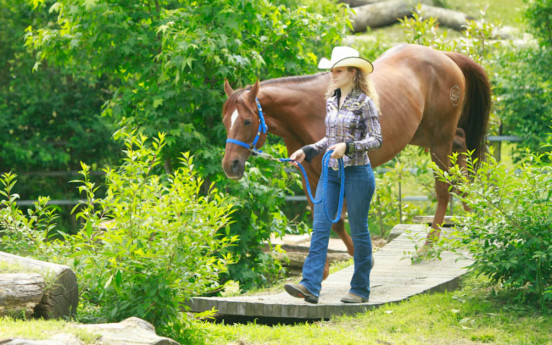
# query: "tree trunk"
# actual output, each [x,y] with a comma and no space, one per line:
[20,293]
[60,297]
[388,12]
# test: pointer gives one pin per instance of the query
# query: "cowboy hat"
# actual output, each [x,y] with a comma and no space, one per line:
[345,57]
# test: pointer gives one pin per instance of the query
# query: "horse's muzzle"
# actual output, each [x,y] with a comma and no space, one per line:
[234,168]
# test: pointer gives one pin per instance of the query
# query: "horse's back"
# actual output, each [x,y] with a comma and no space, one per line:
[413,84]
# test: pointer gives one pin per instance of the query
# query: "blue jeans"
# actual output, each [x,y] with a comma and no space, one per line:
[360,185]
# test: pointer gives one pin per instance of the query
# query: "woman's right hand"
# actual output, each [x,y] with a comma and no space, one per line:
[298,156]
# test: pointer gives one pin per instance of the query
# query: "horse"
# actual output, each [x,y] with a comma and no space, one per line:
[433,99]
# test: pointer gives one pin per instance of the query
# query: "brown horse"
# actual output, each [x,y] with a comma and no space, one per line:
[433,99]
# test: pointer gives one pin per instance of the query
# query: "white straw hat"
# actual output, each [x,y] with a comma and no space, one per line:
[345,57]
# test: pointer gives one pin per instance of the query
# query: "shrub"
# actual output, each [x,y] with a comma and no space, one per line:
[144,249]
[21,233]
[159,247]
[508,229]
[258,201]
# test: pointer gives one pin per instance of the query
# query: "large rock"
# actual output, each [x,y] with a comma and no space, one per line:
[61,293]
[130,331]
[133,331]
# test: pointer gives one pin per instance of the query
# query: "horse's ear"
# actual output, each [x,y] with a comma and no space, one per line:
[254,91]
[227,88]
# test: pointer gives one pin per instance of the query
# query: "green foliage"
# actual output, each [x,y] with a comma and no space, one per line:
[168,61]
[258,200]
[525,93]
[166,64]
[160,246]
[410,167]
[478,40]
[144,249]
[48,119]
[23,233]
[539,17]
[508,230]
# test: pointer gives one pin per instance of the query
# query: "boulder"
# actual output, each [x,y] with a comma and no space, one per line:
[130,331]
[133,331]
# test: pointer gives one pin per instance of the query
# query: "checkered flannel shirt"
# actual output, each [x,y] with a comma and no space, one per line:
[355,123]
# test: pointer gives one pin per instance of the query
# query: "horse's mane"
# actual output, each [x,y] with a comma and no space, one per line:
[288,81]
[292,80]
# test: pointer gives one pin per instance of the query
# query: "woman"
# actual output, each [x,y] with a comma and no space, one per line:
[352,128]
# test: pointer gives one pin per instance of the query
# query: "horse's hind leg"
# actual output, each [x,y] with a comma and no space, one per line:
[459,146]
[440,156]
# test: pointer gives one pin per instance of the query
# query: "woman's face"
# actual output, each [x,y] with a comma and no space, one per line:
[342,77]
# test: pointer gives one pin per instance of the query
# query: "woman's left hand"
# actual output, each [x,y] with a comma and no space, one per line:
[339,150]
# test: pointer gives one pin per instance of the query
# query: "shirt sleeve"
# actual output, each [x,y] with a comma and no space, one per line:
[315,149]
[373,138]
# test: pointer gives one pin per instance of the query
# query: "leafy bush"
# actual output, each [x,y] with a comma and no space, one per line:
[258,201]
[508,230]
[160,246]
[522,83]
[24,234]
[539,16]
[145,248]
[393,182]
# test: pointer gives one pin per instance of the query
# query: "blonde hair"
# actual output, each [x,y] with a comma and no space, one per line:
[362,82]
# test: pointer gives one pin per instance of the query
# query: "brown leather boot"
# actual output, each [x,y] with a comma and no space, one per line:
[299,291]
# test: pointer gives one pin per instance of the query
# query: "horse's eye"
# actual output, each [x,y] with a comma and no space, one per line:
[246,122]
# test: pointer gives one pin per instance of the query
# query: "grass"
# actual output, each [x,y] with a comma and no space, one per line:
[471,315]
[41,330]
[508,12]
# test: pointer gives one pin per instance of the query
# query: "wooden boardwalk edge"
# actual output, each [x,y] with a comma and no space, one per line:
[393,279]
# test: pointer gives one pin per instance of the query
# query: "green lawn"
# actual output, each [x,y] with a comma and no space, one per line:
[471,315]
[509,12]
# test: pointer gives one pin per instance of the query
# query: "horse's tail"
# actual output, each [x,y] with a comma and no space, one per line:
[477,104]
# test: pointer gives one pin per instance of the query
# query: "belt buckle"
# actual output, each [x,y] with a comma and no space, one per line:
[335,168]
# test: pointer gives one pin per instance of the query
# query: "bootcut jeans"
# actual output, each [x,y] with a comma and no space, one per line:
[360,185]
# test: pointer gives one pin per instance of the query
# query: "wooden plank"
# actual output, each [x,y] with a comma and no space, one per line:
[393,279]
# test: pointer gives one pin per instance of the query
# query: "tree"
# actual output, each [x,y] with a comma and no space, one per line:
[48,119]
[167,60]
[523,82]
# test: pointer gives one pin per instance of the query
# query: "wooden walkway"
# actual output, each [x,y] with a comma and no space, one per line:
[394,278]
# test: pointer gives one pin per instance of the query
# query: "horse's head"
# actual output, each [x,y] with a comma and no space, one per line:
[244,124]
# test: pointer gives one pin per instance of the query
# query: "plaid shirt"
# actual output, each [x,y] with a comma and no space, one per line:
[355,123]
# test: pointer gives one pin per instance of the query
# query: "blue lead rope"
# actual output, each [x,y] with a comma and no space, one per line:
[321,198]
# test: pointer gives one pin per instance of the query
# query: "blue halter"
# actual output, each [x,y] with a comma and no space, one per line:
[263,129]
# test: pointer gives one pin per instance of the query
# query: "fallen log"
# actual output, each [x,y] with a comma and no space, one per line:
[358,3]
[389,12]
[20,293]
[60,296]
[445,17]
